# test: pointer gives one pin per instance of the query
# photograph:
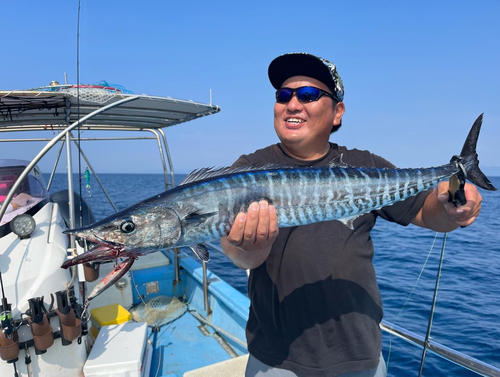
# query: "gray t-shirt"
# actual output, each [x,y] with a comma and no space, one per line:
[315,304]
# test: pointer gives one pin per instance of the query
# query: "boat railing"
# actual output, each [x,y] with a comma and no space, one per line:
[169,159]
[205,279]
[444,352]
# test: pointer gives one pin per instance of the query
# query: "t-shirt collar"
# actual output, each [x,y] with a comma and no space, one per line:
[327,157]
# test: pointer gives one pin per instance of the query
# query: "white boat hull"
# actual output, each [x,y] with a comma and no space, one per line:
[31,268]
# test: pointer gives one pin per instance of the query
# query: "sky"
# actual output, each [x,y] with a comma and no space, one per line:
[416,74]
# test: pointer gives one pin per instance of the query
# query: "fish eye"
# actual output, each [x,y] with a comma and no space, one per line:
[127,226]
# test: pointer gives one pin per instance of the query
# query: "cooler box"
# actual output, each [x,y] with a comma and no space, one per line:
[113,314]
[121,351]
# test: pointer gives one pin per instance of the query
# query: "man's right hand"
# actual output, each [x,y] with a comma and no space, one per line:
[250,239]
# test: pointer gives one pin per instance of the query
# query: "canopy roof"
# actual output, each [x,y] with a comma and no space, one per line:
[35,110]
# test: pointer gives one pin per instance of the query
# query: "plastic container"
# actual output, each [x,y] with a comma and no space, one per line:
[112,314]
[121,351]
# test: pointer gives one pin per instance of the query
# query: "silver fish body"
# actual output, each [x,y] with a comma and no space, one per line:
[301,196]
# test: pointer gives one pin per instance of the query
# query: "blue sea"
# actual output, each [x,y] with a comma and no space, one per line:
[467,313]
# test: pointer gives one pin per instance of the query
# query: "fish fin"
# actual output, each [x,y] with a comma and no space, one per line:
[201,252]
[204,173]
[337,162]
[470,160]
[194,213]
[349,222]
[199,217]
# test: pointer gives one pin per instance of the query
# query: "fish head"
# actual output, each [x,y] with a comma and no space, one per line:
[137,231]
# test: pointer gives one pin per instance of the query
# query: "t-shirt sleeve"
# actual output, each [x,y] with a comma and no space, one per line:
[241,161]
[404,212]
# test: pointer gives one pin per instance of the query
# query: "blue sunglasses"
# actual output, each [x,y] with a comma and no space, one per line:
[304,94]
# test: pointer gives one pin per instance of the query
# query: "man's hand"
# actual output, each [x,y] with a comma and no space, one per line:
[249,241]
[463,215]
[442,216]
[256,229]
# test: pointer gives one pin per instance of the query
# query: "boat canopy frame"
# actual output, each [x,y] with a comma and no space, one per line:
[38,110]
[41,110]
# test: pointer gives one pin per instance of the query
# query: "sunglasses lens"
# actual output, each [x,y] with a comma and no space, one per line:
[304,94]
[308,94]
[284,95]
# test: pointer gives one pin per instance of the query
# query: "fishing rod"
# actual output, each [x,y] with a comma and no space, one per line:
[456,196]
[6,320]
[78,107]
[433,306]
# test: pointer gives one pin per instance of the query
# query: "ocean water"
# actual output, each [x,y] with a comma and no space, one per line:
[467,313]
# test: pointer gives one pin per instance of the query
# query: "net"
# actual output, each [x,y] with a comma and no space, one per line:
[158,311]
[100,92]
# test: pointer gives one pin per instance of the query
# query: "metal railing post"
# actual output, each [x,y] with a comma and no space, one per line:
[71,197]
[176,265]
[206,301]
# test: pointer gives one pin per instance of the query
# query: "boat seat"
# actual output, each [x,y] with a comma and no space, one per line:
[234,367]
[62,199]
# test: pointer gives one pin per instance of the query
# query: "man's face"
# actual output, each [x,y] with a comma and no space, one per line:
[306,125]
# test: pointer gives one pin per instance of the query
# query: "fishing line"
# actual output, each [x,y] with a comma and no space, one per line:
[155,332]
[409,296]
[135,286]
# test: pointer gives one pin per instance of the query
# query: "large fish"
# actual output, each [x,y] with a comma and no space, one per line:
[204,206]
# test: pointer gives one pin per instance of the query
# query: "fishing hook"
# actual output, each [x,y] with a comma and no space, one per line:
[85,318]
[456,192]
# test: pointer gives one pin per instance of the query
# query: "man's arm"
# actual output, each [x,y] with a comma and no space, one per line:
[249,242]
[441,216]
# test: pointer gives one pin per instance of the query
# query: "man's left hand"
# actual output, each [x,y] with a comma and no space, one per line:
[462,215]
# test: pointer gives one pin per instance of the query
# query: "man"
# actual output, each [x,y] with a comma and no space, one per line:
[315,305]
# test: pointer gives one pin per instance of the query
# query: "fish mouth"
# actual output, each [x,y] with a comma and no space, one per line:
[105,246]
[79,232]
[87,234]
[103,251]
[109,244]
[100,250]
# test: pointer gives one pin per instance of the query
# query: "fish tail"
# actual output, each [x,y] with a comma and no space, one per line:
[469,158]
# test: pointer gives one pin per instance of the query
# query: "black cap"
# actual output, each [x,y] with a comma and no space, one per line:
[303,64]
